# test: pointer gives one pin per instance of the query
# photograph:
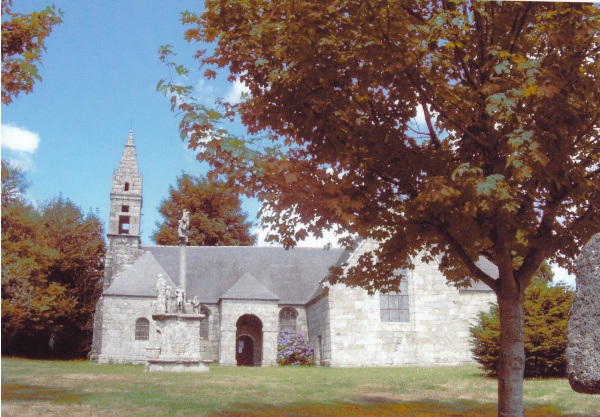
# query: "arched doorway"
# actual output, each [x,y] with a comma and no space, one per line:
[248,338]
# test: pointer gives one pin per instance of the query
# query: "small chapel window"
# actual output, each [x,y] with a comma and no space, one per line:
[126,188]
[125,209]
[142,329]
[287,319]
[204,323]
[394,305]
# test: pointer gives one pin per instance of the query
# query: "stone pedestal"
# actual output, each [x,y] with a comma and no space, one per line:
[179,346]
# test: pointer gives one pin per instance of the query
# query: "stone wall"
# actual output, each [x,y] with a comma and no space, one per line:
[437,332]
[121,253]
[210,348]
[118,329]
[318,325]
[266,311]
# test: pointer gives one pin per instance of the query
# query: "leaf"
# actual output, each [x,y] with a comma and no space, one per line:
[503,67]
[490,184]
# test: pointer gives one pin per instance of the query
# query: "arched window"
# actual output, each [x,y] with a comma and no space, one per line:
[126,188]
[287,318]
[204,323]
[142,329]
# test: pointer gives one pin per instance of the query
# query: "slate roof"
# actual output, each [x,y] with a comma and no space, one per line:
[249,288]
[139,279]
[290,276]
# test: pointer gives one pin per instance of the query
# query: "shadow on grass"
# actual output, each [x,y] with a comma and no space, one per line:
[17,392]
[415,409]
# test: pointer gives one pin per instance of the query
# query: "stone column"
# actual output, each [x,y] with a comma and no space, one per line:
[183,268]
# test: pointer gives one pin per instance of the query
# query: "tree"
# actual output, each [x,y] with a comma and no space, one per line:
[30,304]
[216,216]
[23,37]
[52,262]
[504,167]
[79,267]
[546,308]
[14,183]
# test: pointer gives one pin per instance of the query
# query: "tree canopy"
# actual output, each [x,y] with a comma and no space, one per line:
[504,164]
[23,37]
[215,211]
[52,264]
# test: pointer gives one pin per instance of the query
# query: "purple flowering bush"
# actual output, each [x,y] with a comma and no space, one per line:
[293,349]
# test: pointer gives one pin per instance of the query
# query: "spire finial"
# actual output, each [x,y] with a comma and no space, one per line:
[130,139]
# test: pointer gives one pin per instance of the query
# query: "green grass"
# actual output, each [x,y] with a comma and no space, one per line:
[46,388]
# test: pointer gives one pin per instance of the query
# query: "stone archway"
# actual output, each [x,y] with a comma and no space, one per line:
[249,341]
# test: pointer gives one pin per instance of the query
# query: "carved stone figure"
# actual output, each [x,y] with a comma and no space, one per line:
[183,229]
[179,295]
[583,340]
[196,304]
[161,298]
[168,295]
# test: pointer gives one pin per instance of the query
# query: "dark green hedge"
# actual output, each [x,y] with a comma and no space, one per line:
[546,309]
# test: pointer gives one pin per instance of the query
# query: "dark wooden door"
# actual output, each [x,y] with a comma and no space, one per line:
[245,351]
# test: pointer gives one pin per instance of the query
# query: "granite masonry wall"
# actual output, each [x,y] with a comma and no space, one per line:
[318,325]
[118,330]
[121,253]
[209,348]
[437,332]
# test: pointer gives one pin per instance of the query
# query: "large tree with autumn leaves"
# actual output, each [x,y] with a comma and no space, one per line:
[505,165]
[215,212]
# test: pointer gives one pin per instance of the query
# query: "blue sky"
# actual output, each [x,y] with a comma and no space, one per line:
[99,74]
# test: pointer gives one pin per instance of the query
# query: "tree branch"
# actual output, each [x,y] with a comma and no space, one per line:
[468,262]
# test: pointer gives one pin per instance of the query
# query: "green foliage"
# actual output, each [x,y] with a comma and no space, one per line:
[546,310]
[23,37]
[52,262]
[216,216]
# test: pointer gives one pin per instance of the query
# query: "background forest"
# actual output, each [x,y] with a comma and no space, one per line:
[52,266]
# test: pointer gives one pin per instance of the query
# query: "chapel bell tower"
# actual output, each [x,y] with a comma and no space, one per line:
[125,214]
[126,196]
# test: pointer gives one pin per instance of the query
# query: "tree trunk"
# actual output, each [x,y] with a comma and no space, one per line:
[512,352]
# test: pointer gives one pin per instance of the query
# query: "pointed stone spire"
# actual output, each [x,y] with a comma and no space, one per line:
[128,167]
[130,139]
[126,194]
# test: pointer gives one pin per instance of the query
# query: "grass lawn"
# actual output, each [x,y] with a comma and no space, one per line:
[81,388]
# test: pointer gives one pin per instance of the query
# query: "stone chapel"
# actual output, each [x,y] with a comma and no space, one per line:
[247,294]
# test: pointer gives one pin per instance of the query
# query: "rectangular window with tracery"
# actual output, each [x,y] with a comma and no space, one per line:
[394,305]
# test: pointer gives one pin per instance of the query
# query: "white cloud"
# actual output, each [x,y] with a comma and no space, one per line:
[206,92]
[19,144]
[235,93]
[19,139]
[562,275]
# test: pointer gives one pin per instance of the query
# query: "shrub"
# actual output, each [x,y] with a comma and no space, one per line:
[293,349]
[546,309]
